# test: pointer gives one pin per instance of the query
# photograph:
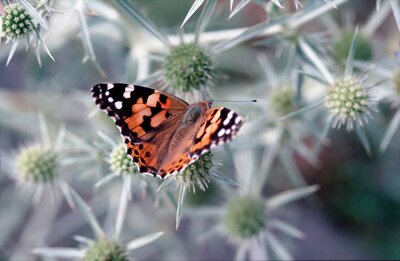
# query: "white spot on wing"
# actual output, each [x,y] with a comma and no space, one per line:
[118,105]
[221,133]
[204,151]
[129,88]
[107,93]
[110,99]
[238,119]
[127,94]
[228,118]
[110,86]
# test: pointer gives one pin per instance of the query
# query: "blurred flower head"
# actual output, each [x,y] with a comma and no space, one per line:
[37,164]
[349,102]
[120,163]
[244,218]
[105,250]
[342,44]
[281,101]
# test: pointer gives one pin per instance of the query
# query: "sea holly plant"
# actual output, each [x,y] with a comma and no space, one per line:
[250,223]
[103,247]
[22,21]
[38,166]
[211,56]
[350,100]
[281,138]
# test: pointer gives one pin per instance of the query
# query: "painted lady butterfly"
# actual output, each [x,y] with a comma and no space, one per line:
[163,133]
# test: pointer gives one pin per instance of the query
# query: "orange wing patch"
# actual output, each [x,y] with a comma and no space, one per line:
[175,165]
[207,129]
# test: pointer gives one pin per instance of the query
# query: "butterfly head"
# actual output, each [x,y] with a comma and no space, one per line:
[194,111]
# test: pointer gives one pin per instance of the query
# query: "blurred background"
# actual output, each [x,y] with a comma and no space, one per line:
[282,53]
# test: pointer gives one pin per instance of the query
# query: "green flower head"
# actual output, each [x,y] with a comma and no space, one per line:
[37,164]
[281,101]
[16,22]
[187,67]
[197,173]
[120,163]
[348,102]
[244,218]
[105,250]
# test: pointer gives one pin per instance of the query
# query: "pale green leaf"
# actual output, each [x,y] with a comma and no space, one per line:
[289,196]
[204,18]
[280,250]
[242,4]
[196,5]
[85,211]
[61,252]
[143,21]
[142,241]
[391,130]
[362,135]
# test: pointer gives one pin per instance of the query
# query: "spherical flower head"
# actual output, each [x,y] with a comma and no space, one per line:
[105,250]
[396,81]
[281,101]
[187,67]
[244,218]
[120,163]
[348,102]
[16,22]
[197,173]
[37,164]
[363,49]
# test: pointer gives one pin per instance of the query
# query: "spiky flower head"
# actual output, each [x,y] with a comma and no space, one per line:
[105,250]
[16,22]
[348,102]
[244,217]
[187,67]
[197,173]
[37,164]
[281,101]
[120,163]
[363,50]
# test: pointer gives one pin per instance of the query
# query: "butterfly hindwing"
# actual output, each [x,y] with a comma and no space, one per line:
[136,110]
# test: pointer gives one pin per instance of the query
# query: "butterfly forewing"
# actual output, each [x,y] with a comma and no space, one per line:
[138,111]
[220,126]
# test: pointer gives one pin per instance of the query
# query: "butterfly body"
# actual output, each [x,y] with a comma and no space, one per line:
[163,133]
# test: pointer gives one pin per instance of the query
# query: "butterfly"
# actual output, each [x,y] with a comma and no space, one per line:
[163,133]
